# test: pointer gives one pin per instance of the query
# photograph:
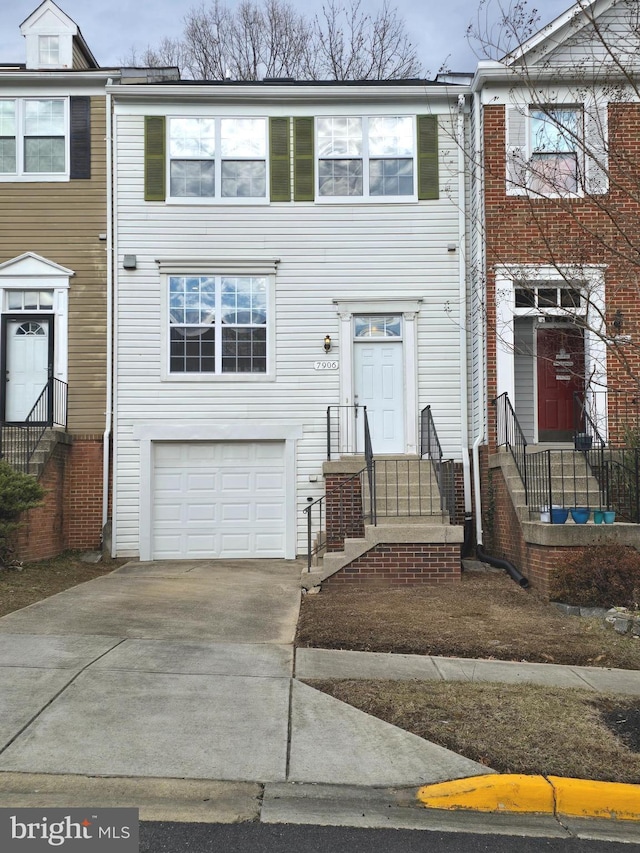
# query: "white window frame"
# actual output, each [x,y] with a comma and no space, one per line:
[366,157]
[217,269]
[218,160]
[547,110]
[20,174]
[49,47]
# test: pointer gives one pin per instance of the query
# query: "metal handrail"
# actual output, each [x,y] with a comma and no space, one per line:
[510,435]
[430,446]
[19,441]
[584,423]
[342,431]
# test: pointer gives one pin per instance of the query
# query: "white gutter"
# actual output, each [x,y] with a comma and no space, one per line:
[462,277]
[109,366]
[478,226]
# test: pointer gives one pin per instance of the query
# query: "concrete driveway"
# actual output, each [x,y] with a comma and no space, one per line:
[186,670]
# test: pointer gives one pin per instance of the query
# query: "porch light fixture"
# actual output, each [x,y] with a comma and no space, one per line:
[617,320]
[327,343]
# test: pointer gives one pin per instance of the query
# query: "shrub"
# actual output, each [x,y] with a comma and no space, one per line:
[18,492]
[601,576]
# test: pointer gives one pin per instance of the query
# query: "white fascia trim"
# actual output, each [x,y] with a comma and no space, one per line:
[378,304]
[219,265]
[199,431]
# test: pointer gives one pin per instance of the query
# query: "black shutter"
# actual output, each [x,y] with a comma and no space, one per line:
[154,158]
[80,138]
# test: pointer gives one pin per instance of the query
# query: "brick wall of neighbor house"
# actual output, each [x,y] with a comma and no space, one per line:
[401,565]
[42,530]
[84,493]
[556,231]
[71,514]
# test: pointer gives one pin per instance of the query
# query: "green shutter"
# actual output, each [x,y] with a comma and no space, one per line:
[154,158]
[303,182]
[428,183]
[80,138]
[280,159]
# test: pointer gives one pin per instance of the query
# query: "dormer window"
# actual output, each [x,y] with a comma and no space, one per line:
[48,51]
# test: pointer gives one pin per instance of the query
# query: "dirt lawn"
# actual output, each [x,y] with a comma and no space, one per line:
[487,615]
[510,728]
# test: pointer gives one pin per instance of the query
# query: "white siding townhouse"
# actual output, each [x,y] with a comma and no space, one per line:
[280,248]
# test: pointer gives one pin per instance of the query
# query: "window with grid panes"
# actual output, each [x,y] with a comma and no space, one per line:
[218,324]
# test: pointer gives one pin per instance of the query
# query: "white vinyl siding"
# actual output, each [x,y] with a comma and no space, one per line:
[325,253]
[524,367]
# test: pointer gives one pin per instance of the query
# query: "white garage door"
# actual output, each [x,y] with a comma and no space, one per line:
[218,499]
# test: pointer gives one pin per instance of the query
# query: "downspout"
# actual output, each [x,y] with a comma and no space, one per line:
[109,371]
[462,279]
[481,554]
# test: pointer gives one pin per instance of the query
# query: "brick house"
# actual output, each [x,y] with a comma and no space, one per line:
[554,286]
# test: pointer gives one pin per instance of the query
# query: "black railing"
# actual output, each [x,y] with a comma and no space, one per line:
[586,433]
[407,487]
[620,478]
[346,507]
[510,435]
[346,434]
[19,442]
[445,472]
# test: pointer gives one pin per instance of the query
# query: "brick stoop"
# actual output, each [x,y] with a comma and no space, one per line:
[397,552]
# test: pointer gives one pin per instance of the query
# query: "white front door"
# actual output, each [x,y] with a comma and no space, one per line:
[27,365]
[379,385]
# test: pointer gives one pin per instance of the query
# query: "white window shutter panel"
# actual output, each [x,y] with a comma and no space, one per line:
[517,150]
[596,147]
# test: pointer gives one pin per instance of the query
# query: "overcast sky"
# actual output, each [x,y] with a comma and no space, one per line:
[112,27]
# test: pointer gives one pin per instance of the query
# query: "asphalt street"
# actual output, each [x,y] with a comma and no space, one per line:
[282,838]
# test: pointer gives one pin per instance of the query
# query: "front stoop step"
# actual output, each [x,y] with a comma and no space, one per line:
[427,529]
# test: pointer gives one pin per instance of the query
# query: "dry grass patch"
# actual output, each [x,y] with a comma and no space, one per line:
[35,581]
[487,615]
[511,728]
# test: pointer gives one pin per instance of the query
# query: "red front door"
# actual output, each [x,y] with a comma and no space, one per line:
[560,373]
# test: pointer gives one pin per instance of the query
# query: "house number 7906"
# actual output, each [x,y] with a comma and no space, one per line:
[325,365]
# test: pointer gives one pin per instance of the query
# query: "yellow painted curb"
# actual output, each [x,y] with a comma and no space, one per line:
[491,793]
[583,798]
[535,794]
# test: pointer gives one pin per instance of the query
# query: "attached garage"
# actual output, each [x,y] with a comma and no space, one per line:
[218,499]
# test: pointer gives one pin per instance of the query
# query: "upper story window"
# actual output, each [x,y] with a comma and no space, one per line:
[35,141]
[218,324]
[48,50]
[218,158]
[556,140]
[33,137]
[285,159]
[557,150]
[366,157]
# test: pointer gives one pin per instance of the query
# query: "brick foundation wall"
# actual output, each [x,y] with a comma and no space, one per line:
[401,565]
[42,530]
[343,510]
[71,514]
[506,539]
[84,493]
